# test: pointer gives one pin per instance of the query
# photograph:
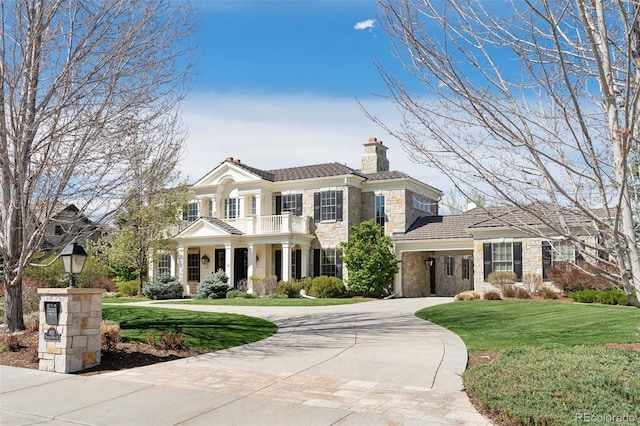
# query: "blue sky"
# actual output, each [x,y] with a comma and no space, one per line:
[277,86]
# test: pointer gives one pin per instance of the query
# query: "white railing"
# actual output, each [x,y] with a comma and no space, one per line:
[276,224]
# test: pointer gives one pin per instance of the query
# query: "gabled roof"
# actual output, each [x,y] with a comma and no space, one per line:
[315,171]
[222,225]
[442,227]
[459,225]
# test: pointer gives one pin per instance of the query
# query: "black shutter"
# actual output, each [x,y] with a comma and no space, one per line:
[339,264]
[339,205]
[298,255]
[316,262]
[298,204]
[546,258]
[278,204]
[316,206]
[487,254]
[517,260]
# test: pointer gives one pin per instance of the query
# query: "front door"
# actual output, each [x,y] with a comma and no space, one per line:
[241,265]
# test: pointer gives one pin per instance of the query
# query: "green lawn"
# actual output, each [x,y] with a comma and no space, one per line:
[264,301]
[124,299]
[202,330]
[496,325]
[552,368]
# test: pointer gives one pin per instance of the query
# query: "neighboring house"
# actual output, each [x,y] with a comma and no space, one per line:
[444,255]
[68,224]
[288,223]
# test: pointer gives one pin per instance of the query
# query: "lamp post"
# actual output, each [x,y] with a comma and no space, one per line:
[73,258]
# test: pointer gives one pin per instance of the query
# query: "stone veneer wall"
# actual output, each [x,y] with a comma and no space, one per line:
[78,326]
[416,275]
[531,259]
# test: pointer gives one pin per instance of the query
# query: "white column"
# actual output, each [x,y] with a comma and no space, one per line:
[172,267]
[304,267]
[258,204]
[286,261]
[251,256]
[181,266]
[229,262]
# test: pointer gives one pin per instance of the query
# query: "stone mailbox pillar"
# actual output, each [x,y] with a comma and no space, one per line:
[69,338]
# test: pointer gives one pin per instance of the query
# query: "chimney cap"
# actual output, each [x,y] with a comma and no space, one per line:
[375,140]
[229,159]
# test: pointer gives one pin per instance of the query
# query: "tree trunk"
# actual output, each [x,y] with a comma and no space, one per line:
[13,307]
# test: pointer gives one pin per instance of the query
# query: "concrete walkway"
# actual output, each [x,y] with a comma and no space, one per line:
[371,363]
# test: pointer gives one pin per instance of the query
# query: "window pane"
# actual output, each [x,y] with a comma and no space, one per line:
[192,212]
[328,262]
[328,205]
[380,210]
[193,267]
[562,251]
[503,257]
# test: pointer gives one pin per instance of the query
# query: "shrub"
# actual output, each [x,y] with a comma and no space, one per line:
[215,286]
[509,292]
[468,295]
[109,335]
[264,286]
[306,284]
[242,285]
[324,286]
[532,282]
[290,288]
[168,340]
[521,293]
[581,276]
[547,293]
[32,322]
[277,296]
[492,295]
[128,288]
[233,293]
[502,279]
[606,297]
[163,287]
[30,297]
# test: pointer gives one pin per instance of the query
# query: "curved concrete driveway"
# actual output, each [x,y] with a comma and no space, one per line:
[368,363]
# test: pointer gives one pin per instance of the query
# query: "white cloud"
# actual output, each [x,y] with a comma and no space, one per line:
[363,25]
[279,131]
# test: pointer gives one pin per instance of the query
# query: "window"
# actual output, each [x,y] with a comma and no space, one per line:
[420,202]
[290,203]
[327,262]
[449,265]
[327,205]
[193,266]
[467,268]
[254,206]
[380,217]
[191,214]
[58,230]
[212,209]
[164,264]
[231,208]
[502,256]
[557,252]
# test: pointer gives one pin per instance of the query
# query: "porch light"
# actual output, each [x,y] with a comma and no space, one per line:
[429,261]
[205,260]
[73,258]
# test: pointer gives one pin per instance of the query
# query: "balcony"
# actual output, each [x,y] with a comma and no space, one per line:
[286,223]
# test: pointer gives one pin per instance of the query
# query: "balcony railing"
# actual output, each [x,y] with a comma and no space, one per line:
[253,225]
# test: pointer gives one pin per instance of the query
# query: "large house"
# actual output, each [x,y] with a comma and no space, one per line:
[288,223]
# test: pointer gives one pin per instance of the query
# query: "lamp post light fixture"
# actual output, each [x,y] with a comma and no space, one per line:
[205,260]
[73,258]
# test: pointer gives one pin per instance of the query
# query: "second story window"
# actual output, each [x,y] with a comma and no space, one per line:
[231,208]
[449,266]
[380,217]
[327,205]
[191,213]
[289,203]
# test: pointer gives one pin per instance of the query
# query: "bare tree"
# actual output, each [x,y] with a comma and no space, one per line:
[533,104]
[81,81]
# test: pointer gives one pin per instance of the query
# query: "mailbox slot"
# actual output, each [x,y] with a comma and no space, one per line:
[52,312]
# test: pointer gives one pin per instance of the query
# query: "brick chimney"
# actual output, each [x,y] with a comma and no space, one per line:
[375,157]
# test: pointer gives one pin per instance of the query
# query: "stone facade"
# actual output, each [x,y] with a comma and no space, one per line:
[78,345]
[417,273]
